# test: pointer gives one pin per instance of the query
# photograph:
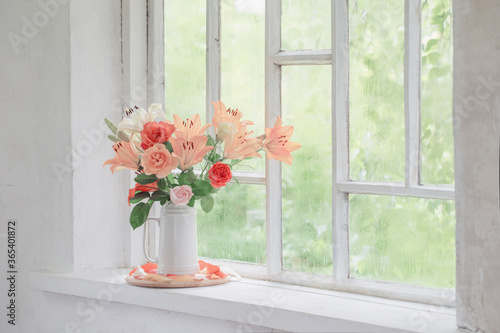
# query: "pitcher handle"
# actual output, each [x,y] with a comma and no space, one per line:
[146,231]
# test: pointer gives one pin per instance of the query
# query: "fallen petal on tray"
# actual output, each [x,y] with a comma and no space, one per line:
[139,272]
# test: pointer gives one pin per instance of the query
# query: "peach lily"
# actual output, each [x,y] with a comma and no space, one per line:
[127,157]
[189,128]
[190,152]
[227,121]
[277,144]
[241,145]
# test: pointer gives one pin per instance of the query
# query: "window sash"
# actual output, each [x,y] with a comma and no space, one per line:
[342,186]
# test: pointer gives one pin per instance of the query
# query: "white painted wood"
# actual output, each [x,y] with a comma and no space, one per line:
[90,146]
[256,178]
[134,92]
[390,290]
[156,52]
[213,69]
[340,137]
[303,57]
[245,269]
[134,53]
[274,232]
[398,189]
[283,307]
[412,85]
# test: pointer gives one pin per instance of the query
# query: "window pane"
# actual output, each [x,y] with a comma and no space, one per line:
[185,49]
[376,90]
[407,240]
[307,183]
[242,64]
[306,24]
[236,227]
[437,84]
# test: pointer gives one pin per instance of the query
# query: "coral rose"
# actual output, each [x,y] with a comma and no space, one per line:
[219,175]
[158,161]
[154,132]
[180,195]
[143,188]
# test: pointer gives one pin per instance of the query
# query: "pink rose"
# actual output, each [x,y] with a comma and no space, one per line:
[155,132]
[158,161]
[180,195]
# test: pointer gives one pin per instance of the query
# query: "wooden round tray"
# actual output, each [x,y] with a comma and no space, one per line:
[175,284]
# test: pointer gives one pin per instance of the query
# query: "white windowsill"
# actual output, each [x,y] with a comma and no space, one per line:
[260,303]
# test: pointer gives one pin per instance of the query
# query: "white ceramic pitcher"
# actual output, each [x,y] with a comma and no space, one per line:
[178,246]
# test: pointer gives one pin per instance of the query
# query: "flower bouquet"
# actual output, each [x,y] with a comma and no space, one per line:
[164,155]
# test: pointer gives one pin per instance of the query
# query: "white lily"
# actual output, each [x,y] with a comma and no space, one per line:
[135,123]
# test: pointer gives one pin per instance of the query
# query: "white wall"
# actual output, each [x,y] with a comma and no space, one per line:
[477,135]
[35,131]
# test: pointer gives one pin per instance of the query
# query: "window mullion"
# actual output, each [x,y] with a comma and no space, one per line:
[412,91]
[156,52]
[340,139]
[274,232]
[303,57]
[213,70]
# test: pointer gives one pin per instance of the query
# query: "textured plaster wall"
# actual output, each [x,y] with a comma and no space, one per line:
[477,123]
[35,131]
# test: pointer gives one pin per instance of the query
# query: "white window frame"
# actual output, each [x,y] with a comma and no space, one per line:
[338,58]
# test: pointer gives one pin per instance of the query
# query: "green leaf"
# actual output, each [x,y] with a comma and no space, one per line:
[183,178]
[433,57]
[191,201]
[139,214]
[430,44]
[210,141]
[207,203]
[214,158]
[201,188]
[191,176]
[171,181]
[114,138]
[169,147]
[111,125]
[439,71]
[144,179]
[162,184]
[236,180]
[438,10]
[139,197]
[159,196]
